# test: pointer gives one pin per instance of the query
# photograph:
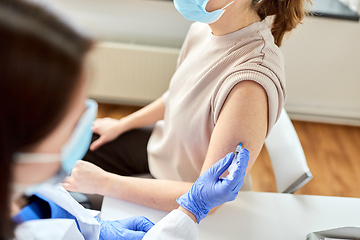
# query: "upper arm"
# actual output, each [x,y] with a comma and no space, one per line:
[243,119]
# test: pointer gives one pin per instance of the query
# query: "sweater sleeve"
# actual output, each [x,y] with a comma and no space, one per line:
[165,96]
[175,226]
[254,72]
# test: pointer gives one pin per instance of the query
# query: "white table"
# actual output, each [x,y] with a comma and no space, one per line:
[260,216]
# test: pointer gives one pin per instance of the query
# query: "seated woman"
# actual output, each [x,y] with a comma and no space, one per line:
[45,127]
[229,87]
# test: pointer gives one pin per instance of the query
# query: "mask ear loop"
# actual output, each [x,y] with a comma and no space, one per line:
[228,5]
[36,157]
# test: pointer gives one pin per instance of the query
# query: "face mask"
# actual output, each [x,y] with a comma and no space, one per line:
[194,10]
[73,150]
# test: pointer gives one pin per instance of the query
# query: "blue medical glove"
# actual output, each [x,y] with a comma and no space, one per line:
[210,190]
[128,229]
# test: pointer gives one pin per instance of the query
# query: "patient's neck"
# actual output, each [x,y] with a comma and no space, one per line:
[236,17]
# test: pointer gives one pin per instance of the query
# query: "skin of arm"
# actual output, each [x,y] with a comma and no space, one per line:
[190,214]
[109,128]
[247,101]
[155,193]
[148,115]
[243,118]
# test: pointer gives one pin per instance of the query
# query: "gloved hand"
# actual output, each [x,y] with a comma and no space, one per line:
[128,229]
[209,191]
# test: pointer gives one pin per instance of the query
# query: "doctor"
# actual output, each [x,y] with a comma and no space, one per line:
[45,126]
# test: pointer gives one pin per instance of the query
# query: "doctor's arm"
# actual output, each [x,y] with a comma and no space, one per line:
[206,193]
[110,128]
[243,119]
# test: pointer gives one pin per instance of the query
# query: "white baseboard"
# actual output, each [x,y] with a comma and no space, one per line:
[324,119]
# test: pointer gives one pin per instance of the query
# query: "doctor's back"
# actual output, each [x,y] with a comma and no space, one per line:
[42,97]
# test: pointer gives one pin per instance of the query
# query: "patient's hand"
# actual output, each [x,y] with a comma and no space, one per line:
[108,129]
[86,178]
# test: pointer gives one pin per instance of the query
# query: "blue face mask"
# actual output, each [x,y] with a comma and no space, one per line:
[73,150]
[194,10]
[79,142]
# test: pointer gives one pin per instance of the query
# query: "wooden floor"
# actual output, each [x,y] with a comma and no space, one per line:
[332,152]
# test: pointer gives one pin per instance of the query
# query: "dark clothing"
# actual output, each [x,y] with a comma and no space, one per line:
[126,155]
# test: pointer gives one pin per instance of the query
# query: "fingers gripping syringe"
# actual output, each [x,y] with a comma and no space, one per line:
[234,165]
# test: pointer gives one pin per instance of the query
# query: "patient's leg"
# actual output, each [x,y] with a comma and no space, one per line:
[126,155]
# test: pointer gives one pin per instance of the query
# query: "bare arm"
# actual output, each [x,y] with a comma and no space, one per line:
[148,115]
[109,128]
[243,118]
[154,193]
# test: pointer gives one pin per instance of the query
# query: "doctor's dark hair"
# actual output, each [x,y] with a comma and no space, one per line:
[41,61]
[287,14]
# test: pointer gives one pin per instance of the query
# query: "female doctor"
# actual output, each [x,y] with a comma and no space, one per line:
[45,127]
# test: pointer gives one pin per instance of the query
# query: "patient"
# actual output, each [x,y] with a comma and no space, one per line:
[45,127]
[229,88]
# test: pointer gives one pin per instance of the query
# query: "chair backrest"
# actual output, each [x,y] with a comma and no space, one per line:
[287,156]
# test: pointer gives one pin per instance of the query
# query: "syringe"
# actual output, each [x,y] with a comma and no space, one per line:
[233,165]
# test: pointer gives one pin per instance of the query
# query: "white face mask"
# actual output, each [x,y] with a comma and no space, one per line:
[73,150]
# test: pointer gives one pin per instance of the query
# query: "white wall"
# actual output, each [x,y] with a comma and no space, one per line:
[323,71]
[322,55]
[352,4]
[153,19]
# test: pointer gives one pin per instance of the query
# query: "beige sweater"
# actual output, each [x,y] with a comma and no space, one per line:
[208,68]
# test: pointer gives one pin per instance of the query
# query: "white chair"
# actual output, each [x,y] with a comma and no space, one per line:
[287,156]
